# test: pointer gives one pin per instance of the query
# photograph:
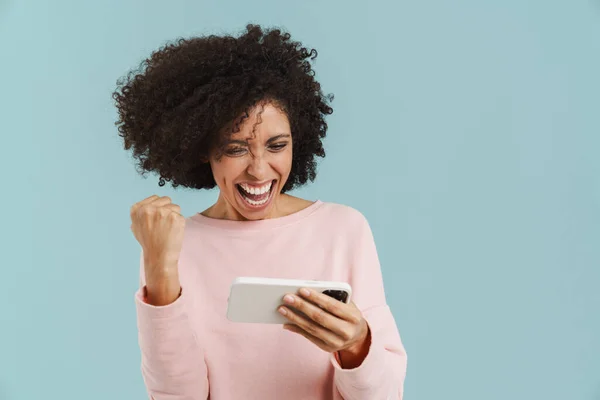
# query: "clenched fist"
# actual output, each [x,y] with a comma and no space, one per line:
[158,226]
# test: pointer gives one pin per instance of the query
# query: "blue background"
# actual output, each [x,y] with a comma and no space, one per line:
[466,131]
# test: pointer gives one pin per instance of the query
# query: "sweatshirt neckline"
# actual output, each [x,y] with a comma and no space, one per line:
[240,226]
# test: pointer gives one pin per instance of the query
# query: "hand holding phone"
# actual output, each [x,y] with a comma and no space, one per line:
[256,300]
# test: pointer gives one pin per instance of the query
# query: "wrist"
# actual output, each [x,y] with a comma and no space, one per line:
[160,270]
[160,261]
[161,295]
[353,356]
[162,286]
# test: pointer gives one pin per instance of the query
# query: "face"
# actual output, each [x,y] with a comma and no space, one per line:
[254,166]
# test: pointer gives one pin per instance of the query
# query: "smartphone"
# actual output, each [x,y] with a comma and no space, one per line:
[256,300]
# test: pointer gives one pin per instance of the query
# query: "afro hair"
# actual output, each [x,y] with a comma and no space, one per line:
[191,94]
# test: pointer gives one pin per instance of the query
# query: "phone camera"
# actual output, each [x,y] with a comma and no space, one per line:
[340,295]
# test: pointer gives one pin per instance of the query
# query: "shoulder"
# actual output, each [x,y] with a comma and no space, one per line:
[344,216]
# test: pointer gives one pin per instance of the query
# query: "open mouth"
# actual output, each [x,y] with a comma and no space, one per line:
[256,196]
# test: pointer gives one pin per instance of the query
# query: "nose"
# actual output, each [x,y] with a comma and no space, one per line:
[258,167]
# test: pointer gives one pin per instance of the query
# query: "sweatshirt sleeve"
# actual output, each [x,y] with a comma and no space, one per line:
[382,373]
[173,366]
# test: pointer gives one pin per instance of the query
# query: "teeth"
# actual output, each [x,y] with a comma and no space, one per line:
[256,203]
[254,190]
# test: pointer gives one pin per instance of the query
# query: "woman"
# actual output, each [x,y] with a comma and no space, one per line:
[245,114]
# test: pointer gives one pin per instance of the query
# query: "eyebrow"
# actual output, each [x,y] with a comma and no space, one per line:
[277,137]
[270,140]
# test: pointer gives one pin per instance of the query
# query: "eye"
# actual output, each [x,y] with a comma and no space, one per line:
[278,146]
[235,151]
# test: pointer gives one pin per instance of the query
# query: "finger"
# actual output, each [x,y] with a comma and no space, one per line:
[161,201]
[143,202]
[157,203]
[154,200]
[311,327]
[174,207]
[148,199]
[316,314]
[321,344]
[347,312]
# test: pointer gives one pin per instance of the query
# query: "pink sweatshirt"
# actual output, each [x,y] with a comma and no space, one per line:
[190,350]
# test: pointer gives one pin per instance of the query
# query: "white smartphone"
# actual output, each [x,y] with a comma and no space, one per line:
[256,300]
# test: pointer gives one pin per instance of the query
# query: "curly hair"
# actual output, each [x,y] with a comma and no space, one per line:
[191,94]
